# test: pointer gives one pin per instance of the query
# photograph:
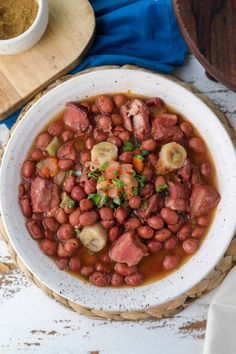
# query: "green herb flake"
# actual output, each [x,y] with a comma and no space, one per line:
[140,157]
[104,200]
[135,191]
[118,182]
[162,187]
[70,173]
[104,166]
[128,146]
[70,202]
[117,200]
[101,179]
[95,197]
[115,172]
[78,173]
[125,195]
[77,231]
[144,205]
[145,153]
[93,175]
[140,179]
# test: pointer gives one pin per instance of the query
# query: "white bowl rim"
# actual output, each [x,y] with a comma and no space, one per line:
[145,300]
[22,36]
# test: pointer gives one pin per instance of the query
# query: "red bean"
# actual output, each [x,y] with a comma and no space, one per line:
[124,136]
[160,180]
[65,232]
[148,173]
[105,258]
[51,224]
[171,262]
[132,223]
[105,104]
[147,190]
[116,141]
[61,216]
[174,228]
[154,246]
[86,271]
[203,221]
[145,232]
[107,224]
[117,280]
[69,210]
[155,222]
[88,218]
[99,279]
[124,269]
[119,100]
[85,156]
[87,105]
[62,263]
[206,169]
[121,214]
[78,193]
[86,204]
[89,143]
[90,186]
[74,217]
[116,119]
[56,127]
[149,144]
[69,183]
[134,279]
[74,264]
[104,123]
[71,246]
[155,101]
[184,232]
[102,268]
[21,190]
[38,154]
[152,159]
[67,135]
[65,165]
[135,202]
[26,206]
[114,233]
[49,235]
[169,216]
[28,169]
[118,130]
[198,232]
[126,157]
[35,229]
[197,145]
[162,235]
[187,129]
[49,247]
[42,140]
[171,243]
[106,213]
[190,246]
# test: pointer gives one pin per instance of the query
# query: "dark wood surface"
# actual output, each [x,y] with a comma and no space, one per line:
[209,29]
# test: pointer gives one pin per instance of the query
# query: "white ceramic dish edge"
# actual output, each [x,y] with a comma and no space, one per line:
[218,238]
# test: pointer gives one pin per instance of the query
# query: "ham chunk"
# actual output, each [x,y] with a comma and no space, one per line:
[154,203]
[76,117]
[178,198]
[67,151]
[128,249]
[164,128]
[203,199]
[136,118]
[44,195]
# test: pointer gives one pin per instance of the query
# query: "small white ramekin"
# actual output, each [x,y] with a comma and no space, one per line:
[33,34]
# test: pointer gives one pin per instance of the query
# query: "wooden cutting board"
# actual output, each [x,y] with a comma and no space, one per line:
[209,28]
[69,34]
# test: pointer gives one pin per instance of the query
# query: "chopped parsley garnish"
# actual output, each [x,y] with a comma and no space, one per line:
[124,195]
[78,173]
[140,157]
[115,172]
[128,146]
[162,187]
[135,191]
[70,173]
[70,202]
[145,153]
[118,182]
[95,197]
[104,200]
[104,166]
[101,179]
[77,231]
[140,179]
[144,205]
[93,175]
[117,200]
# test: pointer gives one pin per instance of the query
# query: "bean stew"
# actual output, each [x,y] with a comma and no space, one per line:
[119,189]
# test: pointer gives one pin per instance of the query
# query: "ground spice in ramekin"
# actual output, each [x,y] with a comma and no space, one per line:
[16,16]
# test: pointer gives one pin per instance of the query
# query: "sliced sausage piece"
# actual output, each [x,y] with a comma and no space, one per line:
[76,117]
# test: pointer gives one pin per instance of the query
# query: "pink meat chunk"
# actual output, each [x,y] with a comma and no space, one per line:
[67,151]
[178,198]
[164,128]
[128,249]
[185,171]
[136,118]
[203,199]
[76,117]
[44,195]
[154,204]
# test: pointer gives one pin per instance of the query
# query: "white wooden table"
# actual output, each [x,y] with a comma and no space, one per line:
[30,322]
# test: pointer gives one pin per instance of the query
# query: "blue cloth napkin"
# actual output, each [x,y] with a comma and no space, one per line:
[139,32]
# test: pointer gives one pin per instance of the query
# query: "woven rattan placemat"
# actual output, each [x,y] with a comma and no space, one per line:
[213,279]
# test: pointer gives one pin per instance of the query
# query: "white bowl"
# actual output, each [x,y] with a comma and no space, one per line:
[30,37]
[220,233]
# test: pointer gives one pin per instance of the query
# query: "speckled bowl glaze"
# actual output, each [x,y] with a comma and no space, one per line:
[30,37]
[220,233]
